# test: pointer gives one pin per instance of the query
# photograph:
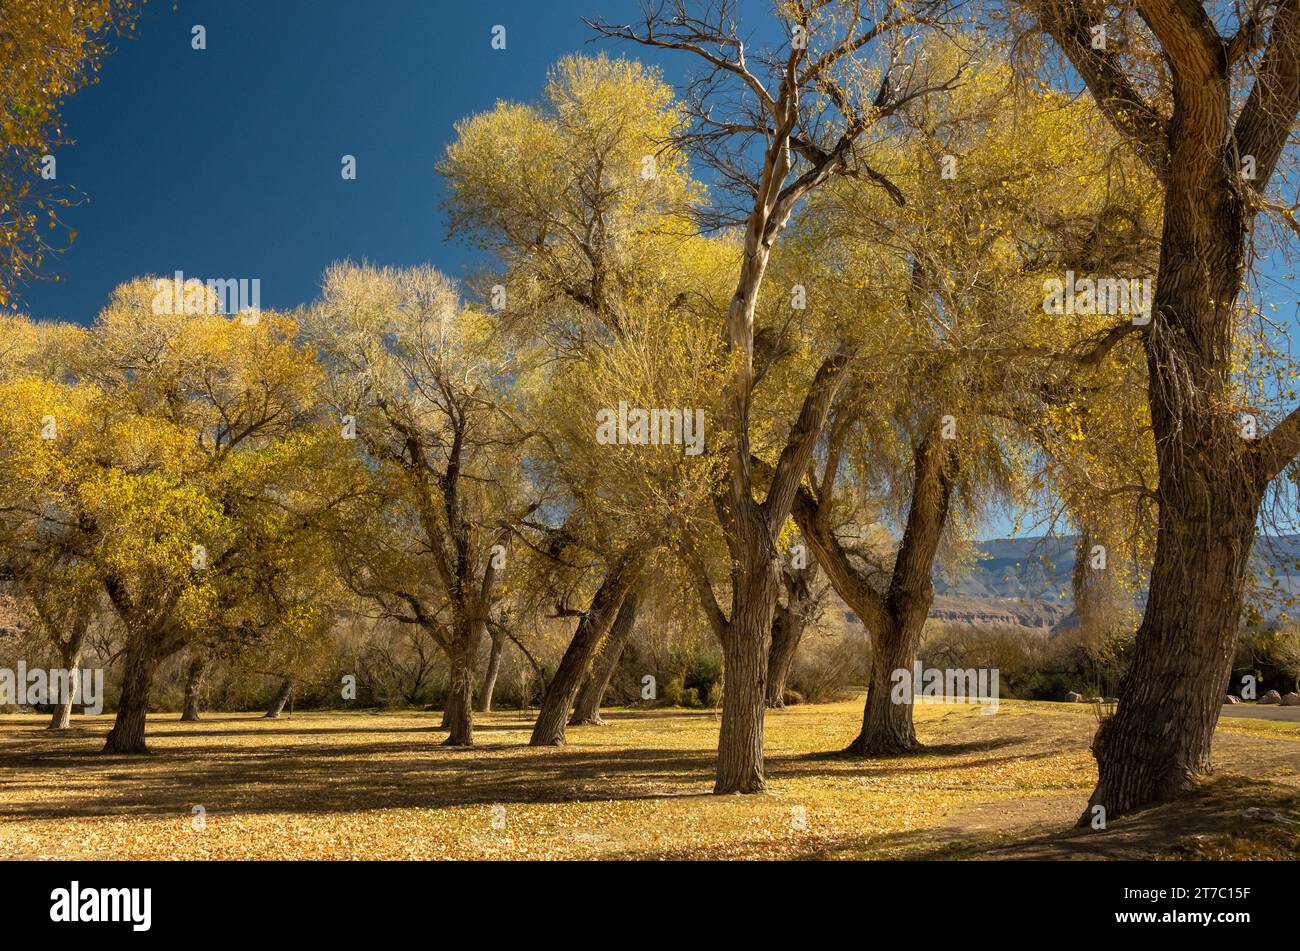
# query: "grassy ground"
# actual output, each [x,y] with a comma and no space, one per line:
[379,786]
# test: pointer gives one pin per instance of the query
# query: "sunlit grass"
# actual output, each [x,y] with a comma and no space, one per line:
[380,786]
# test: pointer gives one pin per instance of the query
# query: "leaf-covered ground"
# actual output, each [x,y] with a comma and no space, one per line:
[380,786]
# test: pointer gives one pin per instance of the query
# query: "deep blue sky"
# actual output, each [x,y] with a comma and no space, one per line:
[225,162]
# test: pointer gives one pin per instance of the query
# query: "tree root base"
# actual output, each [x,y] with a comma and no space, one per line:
[862,748]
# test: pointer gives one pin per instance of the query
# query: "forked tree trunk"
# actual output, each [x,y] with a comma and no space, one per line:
[459,711]
[895,621]
[490,676]
[586,709]
[193,683]
[887,725]
[751,531]
[279,700]
[592,628]
[471,622]
[127,734]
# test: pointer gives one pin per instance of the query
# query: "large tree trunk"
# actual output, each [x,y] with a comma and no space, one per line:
[127,734]
[591,631]
[279,700]
[193,683]
[586,710]
[751,531]
[745,646]
[1211,479]
[471,623]
[459,711]
[1158,742]
[887,726]
[490,676]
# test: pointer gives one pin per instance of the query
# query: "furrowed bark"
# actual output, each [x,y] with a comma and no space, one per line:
[787,631]
[1211,479]
[1210,489]
[1158,741]
[127,734]
[744,651]
[586,709]
[594,625]
[459,711]
[887,727]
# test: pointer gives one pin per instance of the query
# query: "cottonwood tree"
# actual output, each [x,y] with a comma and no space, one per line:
[988,200]
[775,126]
[580,197]
[65,602]
[583,200]
[49,49]
[594,625]
[622,502]
[417,383]
[114,512]
[78,489]
[1206,96]
[41,556]
[164,463]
